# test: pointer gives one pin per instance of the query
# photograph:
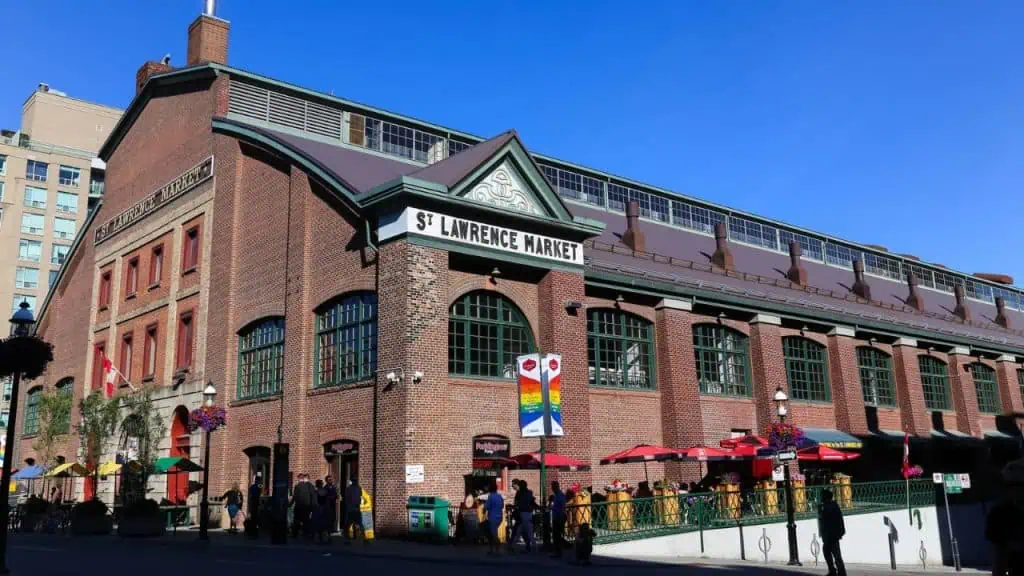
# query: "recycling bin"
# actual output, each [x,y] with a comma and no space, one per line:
[428,517]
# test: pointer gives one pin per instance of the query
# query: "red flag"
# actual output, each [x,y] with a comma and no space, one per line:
[109,376]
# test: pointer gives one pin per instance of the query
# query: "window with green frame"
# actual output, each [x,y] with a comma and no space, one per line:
[934,382]
[1020,382]
[261,359]
[65,386]
[32,399]
[346,340]
[876,377]
[620,350]
[486,332]
[722,357]
[986,388]
[806,369]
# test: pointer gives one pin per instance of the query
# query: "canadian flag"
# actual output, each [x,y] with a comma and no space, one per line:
[906,455]
[110,375]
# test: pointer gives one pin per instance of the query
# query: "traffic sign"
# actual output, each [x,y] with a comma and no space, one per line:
[937,478]
[965,481]
[955,483]
[787,456]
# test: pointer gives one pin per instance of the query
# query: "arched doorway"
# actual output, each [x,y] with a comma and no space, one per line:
[177,482]
[259,466]
[342,461]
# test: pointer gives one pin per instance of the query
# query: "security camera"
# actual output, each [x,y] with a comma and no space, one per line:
[417,377]
[392,378]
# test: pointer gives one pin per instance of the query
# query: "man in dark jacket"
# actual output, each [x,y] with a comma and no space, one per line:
[1003,530]
[353,513]
[832,529]
[252,523]
[304,501]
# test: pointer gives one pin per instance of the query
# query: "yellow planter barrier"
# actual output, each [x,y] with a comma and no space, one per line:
[620,511]
[770,497]
[666,506]
[843,491]
[728,501]
[799,496]
[579,513]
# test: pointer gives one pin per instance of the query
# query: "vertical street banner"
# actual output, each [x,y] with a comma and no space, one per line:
[540,398]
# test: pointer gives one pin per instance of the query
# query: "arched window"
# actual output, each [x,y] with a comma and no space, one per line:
[346,340]
[620,349]
[485,334]
[986,388]
[32,399]
[722,357]
[876,377]
[806,369]
[934,383]
[261,359]
[65,386]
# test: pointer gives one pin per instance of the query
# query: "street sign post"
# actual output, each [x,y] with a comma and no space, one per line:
[786,456]
[952,484]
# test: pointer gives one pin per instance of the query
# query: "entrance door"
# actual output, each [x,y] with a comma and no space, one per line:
[343,465]
[177,482]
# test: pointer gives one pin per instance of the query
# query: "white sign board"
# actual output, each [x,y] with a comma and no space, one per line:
[476,234]
[414,473]
[787,456]
[965,481]
[937,478]
[778,474]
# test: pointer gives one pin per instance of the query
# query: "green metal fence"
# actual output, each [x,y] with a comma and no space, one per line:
[647,517]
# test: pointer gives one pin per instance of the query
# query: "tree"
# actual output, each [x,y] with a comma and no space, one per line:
[100,417]
[145,425]
[54,422]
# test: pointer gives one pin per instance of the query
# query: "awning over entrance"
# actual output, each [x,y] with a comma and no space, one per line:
[832,438]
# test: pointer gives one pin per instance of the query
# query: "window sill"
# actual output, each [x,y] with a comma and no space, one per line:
[188,270]
[889,407]
[148,379]
[621,388]
[493,379]
[812,402]
[29,436]
[154,286]
[128,297]
[726,396]
[257,400]
[327,389]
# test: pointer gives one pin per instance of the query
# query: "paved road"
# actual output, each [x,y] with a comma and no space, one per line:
[39,555]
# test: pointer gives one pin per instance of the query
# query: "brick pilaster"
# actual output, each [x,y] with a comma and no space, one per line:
[909,394]
[965,397]
[1009,385]
[767,365]
[677,380]
[565,333]
[847,394]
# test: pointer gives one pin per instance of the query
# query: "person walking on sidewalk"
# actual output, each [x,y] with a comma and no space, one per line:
[304,500]
[495,508]
[233,501]
[353,513]
[832,529]
[524,510]
[557,518]
[252,523]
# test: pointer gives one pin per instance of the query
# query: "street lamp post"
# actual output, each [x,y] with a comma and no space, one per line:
[23,322]
[780,399]
[204,506]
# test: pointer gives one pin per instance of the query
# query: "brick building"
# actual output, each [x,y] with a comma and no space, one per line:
[295,249]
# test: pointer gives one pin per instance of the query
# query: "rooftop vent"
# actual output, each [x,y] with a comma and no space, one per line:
[797,273]
[634,236]
[961,310]
[860,286]
[914,298]
[722,256]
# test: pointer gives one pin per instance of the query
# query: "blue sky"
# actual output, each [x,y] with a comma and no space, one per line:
[892,123]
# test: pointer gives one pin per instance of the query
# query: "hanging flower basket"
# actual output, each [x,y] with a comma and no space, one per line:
[913,471]
[783,435]
[28,355]
[209,418]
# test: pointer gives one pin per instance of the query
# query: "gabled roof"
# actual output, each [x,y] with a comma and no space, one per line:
[453,169]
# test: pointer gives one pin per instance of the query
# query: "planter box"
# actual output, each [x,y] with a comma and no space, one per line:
[92,526]
[30,522]
[141,527]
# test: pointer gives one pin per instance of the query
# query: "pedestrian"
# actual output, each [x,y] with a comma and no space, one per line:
[584,544]
[353,512]
[495,509]
[832,529]
[233,502]
[558,518]
[524,510]
[1003,530]
[319,513]
[252,522]
[303,502]
[331,505]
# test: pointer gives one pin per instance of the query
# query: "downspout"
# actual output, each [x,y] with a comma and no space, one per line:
[376,292]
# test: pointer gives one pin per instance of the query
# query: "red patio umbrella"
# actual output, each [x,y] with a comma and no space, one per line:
[705,453]
[749,440]
[531,461]
[825,454]
[642,453]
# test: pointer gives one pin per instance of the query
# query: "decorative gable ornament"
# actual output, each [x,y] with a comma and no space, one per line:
[503,188]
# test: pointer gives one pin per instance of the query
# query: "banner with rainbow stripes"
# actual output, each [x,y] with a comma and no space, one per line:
[540,397]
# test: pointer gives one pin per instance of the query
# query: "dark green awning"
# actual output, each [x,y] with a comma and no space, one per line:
[832,438]
[175,464]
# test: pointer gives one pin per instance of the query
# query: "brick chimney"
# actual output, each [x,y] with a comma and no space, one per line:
[1001,317]
[914,298]
[961,309]
[797,273]
[149,69]
[860,285]
[722,256]
[208,39]
[634,236]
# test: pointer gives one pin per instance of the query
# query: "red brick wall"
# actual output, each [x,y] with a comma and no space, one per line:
[768,368]
[847,393]
[965,397]
[916,417]
[621,419]
[1009,385]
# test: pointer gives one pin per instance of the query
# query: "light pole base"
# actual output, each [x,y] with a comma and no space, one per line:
[794,563]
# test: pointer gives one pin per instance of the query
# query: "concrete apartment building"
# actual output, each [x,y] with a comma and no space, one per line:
[50,177]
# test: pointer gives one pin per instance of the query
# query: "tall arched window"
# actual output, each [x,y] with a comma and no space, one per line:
[722,357]
[620,349]
[986,388]
[876,376]
[346,340]
[934,383]
[65,386]
[485,334]
[806,369]
[261,359]
[32,399]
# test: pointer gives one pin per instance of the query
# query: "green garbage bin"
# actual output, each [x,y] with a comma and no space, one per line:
[428,517]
